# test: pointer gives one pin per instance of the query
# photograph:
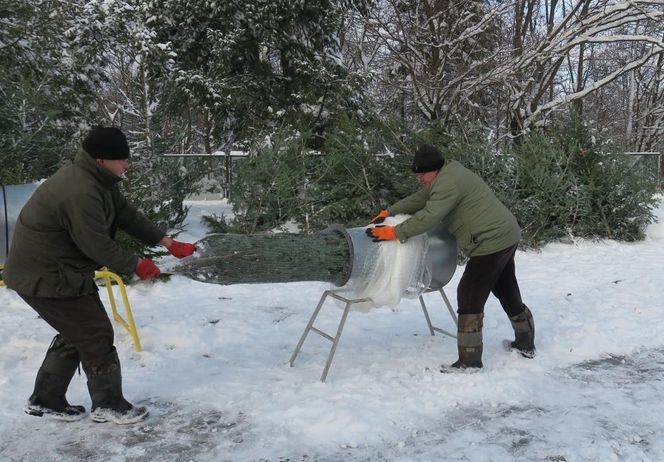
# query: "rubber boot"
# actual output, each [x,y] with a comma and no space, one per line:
[469,341]
[105,387]
[52,382]
[524,333]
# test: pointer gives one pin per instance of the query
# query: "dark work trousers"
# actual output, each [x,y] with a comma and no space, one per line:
[81,322]
[493,273]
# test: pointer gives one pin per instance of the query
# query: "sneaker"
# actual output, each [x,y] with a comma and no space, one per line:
[68,413]
[130,416]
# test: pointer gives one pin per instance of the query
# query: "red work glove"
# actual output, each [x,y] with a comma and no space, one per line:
[380,217]
[382,233]
[181,249]
[146,269]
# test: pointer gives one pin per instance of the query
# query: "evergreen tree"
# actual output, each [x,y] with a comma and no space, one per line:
[132,98]
[49,70]
[248,66]
[360,168]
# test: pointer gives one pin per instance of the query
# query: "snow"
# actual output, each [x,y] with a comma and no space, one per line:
[215,372]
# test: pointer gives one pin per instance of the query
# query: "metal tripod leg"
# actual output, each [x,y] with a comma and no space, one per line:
[308,328]
[426,315]
[433,329]
[335,339]
[449,306]
[335,342]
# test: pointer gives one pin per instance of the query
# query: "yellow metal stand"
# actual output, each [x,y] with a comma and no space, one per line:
[129,323]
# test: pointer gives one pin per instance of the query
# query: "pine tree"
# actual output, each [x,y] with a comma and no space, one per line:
[253,65]
[132,98]
[49,70]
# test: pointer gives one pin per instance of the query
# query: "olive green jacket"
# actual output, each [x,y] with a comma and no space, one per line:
[461,201]
[65,232]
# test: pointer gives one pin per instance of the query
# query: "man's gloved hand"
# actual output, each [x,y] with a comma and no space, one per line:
[382,233]
[181,249]
[380,217]
[146,269]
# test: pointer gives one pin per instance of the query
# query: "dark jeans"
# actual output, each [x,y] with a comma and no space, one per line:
[493,273]
[82,325]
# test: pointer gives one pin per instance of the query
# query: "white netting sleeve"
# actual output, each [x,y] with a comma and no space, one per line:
[390,271]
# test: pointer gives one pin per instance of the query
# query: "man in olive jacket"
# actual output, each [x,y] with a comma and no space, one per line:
[486,232]
[63,234]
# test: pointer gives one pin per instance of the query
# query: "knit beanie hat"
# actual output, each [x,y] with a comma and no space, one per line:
[427,159]
[106,143]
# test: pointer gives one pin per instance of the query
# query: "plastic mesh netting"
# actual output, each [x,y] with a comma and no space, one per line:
[388,270]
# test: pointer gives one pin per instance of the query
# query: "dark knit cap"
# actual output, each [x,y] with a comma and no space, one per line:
[106,143]
[427,159]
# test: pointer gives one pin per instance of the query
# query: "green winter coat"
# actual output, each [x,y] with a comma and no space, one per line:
[462,202]
[65,232]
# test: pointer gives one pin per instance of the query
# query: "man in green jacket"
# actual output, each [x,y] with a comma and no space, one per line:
[63,234]
[487,233]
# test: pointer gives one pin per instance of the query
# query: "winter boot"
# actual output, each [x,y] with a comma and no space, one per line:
[105,387]
[53,378]
[524,332]
[469,341]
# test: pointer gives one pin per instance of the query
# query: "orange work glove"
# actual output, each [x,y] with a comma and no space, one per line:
[146,269]
[382,233]
[181,249]
[380,217]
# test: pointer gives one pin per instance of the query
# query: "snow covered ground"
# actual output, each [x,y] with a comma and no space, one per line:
[215,373]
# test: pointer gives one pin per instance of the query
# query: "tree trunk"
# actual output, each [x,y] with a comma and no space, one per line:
[270,258]
[630,108]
